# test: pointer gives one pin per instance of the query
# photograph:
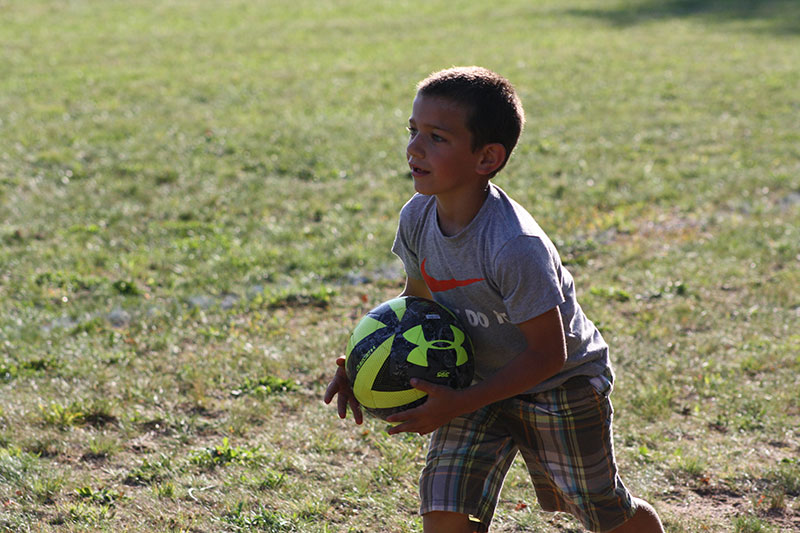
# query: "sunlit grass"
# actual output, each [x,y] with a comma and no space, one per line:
[197,203]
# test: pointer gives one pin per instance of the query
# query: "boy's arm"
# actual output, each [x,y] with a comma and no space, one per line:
[543,358]
[416,287]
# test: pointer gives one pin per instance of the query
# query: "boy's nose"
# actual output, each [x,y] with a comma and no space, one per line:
[413,149]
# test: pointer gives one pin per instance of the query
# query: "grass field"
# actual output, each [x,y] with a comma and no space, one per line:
[197,201]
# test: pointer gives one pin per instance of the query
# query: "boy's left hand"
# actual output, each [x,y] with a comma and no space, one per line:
[443,404]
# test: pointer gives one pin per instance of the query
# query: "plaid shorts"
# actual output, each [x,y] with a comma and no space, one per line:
[564,436]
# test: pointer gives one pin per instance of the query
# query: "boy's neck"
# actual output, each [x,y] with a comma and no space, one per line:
[455,213]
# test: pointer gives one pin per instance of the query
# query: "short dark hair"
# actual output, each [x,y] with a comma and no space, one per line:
[494,111]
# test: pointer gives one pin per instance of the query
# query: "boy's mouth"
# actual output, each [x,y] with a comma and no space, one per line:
[418,172]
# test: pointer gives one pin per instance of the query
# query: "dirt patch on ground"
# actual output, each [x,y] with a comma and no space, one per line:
[717,507]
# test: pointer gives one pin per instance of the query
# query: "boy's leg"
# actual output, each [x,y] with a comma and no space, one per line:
[447,522]
[645,520]
[467,461]
[565,436]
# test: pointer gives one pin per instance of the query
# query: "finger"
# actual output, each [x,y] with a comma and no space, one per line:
[356,408]
[410,427]
[425,386]
[407,427]
[341,405]
[403,416]
[337,385]
[331,391]
[341,361]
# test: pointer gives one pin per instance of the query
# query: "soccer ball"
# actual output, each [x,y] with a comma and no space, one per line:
[403,338]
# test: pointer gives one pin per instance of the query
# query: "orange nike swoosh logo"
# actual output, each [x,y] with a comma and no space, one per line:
[441,285]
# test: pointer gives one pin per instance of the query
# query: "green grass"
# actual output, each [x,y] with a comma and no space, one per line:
[197,201]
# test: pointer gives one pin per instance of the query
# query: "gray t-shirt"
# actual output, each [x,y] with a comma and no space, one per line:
[499,271]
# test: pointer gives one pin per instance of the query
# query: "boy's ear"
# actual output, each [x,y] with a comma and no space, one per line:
[492,157]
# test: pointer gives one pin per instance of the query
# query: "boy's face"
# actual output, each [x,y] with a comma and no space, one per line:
[439,150]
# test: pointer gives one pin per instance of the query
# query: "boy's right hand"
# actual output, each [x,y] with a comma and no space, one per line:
[341,386]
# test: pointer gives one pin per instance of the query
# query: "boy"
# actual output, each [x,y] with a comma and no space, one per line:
[542,372]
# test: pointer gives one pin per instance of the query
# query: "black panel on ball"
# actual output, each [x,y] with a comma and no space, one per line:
[428,343]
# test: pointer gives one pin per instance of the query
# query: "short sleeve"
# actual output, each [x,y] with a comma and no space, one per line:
[404,245]
[528,274]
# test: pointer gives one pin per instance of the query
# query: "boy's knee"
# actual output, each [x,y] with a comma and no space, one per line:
[448,522]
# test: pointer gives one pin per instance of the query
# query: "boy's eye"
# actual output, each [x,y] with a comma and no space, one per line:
[411,131]
[436,138]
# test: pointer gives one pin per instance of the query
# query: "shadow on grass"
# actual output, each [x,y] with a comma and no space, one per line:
[777,16]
